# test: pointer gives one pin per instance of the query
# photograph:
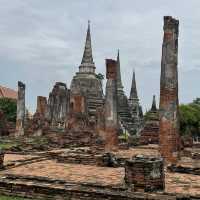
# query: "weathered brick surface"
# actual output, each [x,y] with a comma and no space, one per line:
[150,132]
[145,173]
[46,188]
[20,109]
[111,120]
[58,105]
[78,104]
[40,118]
[111,139]
[40,188]
[169,113]
[111,69]
[42,106]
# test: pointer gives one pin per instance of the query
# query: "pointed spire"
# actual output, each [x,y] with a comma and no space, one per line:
[153,107]
[119,80]
[87,63]
[133,93]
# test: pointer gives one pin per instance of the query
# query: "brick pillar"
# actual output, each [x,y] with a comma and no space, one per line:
[42,106]
[20,109]
[40,117]
[169,103]
[111,122]
[58,105]
[145,174]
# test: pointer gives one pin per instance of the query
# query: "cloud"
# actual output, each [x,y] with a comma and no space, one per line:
[42,42]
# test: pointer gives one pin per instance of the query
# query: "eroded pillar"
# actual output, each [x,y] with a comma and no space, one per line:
[169,103]
[42,106]
[40,117]
[20,109]
[111,121]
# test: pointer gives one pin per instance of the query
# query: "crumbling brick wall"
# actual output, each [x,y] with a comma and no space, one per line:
[145,174]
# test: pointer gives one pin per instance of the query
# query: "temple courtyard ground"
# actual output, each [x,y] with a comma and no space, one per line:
[41,165]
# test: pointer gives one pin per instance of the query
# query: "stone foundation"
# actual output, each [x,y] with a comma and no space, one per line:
[45,188]
[145,173]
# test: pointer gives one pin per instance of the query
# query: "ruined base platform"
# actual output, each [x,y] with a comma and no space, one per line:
[41,175]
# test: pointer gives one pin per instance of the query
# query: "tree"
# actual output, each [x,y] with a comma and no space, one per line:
[190,118]
[9,108]
[100,76]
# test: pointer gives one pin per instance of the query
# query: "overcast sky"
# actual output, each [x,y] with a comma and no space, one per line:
[42,41]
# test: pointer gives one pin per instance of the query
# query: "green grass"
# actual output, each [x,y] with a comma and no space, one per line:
[7,145]
[11,198]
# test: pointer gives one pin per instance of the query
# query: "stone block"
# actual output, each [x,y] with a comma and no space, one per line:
[145,173]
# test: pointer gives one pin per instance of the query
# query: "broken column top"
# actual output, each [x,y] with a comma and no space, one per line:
[41,104]
[171,23]
[21,85]
[58,86]
[144,159]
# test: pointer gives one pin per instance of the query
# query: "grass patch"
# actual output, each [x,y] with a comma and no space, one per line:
[11,198]
[7,146]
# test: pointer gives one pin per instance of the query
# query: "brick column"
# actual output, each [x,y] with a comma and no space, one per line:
[169,103]
[42,106]
[111,122]
[40,116]
[20,109]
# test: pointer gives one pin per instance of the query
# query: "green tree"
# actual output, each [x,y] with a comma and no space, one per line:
[100,76]
[190,118]
[9,107]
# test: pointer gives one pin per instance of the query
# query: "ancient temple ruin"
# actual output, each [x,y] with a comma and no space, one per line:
[135,107]
[79,152]
[82,106]
[126,118]
[86,83]
[150,132]
[40,117]
[169,111]
[58,105]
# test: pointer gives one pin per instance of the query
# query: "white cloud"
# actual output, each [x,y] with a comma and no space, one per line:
[42,42]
